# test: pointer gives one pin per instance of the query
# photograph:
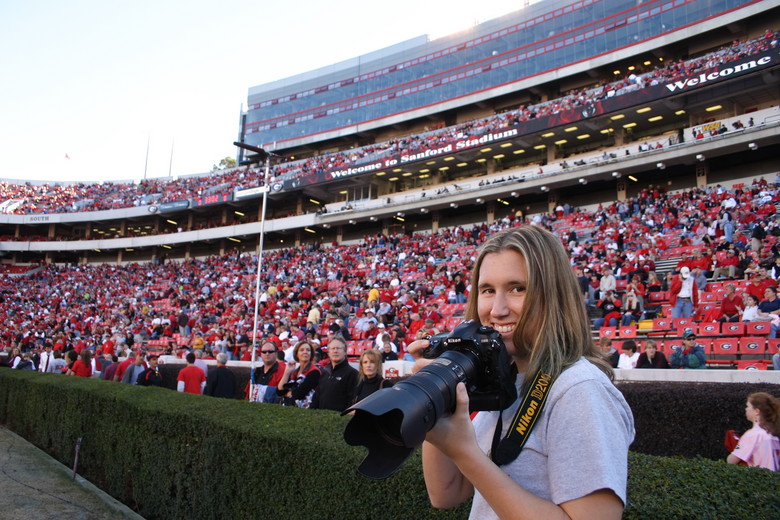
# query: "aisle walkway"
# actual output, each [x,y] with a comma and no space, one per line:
[34,486]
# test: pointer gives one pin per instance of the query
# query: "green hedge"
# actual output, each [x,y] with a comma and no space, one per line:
[175,456]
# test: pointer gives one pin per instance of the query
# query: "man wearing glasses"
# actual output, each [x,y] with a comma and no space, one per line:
[690,355]
[267,376]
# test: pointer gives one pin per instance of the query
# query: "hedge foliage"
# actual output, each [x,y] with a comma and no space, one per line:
[176,456]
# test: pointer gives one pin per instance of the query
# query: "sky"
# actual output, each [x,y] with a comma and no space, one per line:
[96,90]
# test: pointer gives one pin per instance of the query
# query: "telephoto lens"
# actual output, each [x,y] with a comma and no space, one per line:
[393,422]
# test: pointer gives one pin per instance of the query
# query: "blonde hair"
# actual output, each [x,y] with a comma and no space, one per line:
[375,356]
[553,329]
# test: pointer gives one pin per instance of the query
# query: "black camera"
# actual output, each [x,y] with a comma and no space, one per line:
[392,422]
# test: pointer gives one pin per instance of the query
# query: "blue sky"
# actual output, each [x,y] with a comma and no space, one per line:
[98,80]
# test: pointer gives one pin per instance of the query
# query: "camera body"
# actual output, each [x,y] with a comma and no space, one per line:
[492,387]
[392,422]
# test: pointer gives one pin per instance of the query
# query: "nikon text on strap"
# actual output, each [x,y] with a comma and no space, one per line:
[507,449]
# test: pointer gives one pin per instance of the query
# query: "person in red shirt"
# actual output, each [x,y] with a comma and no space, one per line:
[83,366]
[191,379]
[731,306]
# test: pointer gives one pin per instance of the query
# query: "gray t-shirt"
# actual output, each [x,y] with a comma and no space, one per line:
[579,444]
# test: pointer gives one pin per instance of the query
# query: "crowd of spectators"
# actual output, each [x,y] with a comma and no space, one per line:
[387,289]
[66,198]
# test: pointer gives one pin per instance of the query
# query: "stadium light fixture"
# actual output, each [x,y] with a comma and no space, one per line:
[514,194]
[713,108]
[753,146]
[352,221]
[480,200]
[545,188]
[633,178]
[616,175]
[700,157]
[453,205]
[660,166]
[423,210]
[583,180]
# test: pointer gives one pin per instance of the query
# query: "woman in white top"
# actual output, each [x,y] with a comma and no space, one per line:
[629,357]
[548,337]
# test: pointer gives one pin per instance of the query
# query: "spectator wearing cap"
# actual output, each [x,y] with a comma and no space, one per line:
[690,355]
[151,376]
[221,382]
[383,339]
[683,294]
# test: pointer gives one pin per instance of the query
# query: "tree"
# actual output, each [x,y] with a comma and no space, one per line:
[224,164]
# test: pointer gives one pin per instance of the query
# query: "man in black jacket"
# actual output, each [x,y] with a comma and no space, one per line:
[221,381]
[338,382]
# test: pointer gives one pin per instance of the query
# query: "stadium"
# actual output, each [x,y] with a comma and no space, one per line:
[626,128]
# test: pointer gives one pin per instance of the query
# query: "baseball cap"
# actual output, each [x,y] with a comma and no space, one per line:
[689,335]
[685,272]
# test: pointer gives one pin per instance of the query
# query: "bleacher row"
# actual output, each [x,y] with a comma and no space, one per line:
[727,345]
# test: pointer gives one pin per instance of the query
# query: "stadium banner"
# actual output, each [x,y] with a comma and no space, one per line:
[170,206]
[42,219]
[627,97]
[251,192]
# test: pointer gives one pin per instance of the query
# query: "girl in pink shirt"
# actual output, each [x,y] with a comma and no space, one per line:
[759,446]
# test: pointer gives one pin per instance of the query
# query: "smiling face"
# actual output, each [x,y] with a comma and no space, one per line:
[501,294]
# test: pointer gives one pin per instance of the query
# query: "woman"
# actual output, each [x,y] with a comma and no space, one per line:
[83,366]
[651,358]
[759,446]
[731,305]
[750,310]
[14,358]
[632,310]
[550,335]
[370,375]
[300,378]
[71,357]
[653,283]
[629,358]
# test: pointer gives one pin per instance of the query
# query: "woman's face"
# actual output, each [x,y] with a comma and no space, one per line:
[751,413]
[650,350]
[368,366]
[501,293]
[304,353]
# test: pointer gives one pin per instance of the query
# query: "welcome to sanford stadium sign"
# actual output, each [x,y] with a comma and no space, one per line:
[612,104]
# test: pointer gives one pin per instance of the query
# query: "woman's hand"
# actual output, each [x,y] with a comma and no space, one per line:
[415,348]
[290,367]
[454,435]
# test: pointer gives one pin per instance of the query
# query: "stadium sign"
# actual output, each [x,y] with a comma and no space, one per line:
[717,74]
[622,99]
[170,206]
[251,192]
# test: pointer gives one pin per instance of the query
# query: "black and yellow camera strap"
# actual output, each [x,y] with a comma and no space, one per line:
[504,451]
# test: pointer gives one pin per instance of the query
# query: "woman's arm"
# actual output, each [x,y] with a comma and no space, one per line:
[455,439]
[309,383]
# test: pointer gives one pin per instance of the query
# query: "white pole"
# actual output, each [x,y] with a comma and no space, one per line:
[257,277]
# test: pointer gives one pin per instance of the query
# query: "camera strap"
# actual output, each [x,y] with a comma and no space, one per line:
[504,451]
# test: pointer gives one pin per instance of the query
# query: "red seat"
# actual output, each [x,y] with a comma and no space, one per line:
[689,327]
[725,347]
[708,297]
[609,332]
[661,324]
[758,328]
[707,344]
[752,345]
[733,329]
[709,329]
[772,345]
[628,331]
[756,364]
[656,297]
[671,345]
